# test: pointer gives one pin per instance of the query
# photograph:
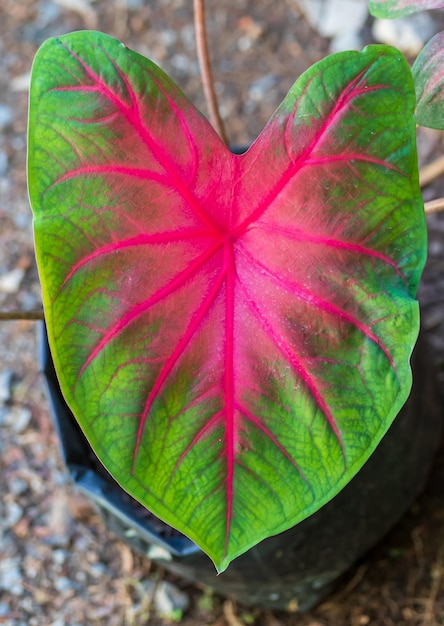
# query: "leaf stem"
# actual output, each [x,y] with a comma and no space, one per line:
[434,206]
[205,69]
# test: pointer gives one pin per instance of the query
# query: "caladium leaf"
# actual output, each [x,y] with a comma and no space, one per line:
[428,74]
[399,8]
[233,333]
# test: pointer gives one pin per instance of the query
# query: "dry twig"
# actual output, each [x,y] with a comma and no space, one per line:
[429,172]
[230,614]
[434,206]
[437,574]
[17,314]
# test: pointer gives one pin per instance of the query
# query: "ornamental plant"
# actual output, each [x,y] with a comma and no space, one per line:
[232,332]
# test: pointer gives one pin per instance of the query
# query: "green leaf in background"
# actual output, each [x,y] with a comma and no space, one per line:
[428,74]
[399,8]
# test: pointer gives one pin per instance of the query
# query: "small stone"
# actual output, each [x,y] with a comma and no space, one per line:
[10,576]
[260,88]
[435,248]
[59,556]
[157,553]
[335,17]
[21,83]
[18,143]
[4,162]
[13,514]
[188,37]
[18,418]
[97,569]
[80,577]
[5,116]
[408,34]
[183,65]
[346,41]
[169,601]
[18,486]
[49,12]
[83,8]
[5,386]
[59,521]
[4,609]
[10,282]
[62,584]
[168,38]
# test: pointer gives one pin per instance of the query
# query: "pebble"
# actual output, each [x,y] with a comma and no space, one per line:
[183,65]
[10,576]
[83,8]
[48,13]
[98,569]
[346,41]
[5,386]
[408,34]
[168,38]
[5,116]
[13,514]
[435,248]
[18,418]
[19,143]
[328,16]
[259,89]
[169,601]
[3,163]
[188,37]
[18,486]
[10,282]
[4,609]
[62,584]
[59,556]
[21,83]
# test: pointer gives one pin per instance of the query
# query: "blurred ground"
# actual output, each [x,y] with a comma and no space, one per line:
[58,564]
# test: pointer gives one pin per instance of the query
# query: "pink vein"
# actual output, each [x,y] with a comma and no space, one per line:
[352,157]
[132,113]
[300,235]
[301,161]
[139,240]
[230,270]
[177,112]
[184,125]
[163,293]
[202,432]
[137,172]
[196,321]
[311,298]
[295,363]
[257,422]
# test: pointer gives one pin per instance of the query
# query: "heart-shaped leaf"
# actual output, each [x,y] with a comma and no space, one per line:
[399,8]
[233,333]
[428,74]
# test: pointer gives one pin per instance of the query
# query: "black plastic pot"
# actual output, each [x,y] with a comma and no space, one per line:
[296,569]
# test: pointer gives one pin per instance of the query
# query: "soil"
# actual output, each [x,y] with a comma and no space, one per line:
[58,563]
